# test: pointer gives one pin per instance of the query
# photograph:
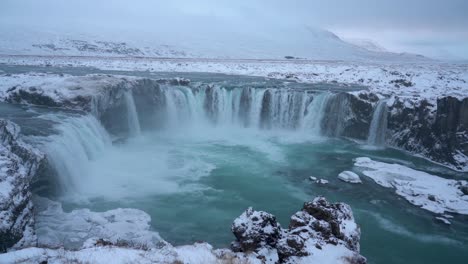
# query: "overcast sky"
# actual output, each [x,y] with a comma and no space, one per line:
[437,28]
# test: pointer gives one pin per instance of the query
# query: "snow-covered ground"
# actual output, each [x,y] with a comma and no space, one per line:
[417,81]
[203,39]
[199,253]
[56,228]
[430,192]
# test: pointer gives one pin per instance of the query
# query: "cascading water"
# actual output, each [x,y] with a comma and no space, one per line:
[282,108]
[336,113]
[378,125]
[315,113]
[246,107]
[132,115]
[79,141]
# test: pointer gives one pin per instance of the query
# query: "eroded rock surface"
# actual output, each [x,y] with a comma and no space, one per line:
[317,226]
[18,165]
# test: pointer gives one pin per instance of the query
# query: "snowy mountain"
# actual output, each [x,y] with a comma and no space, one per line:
[223,40]
[367,44]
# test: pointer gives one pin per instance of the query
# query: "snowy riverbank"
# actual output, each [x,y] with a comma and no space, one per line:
[425,80]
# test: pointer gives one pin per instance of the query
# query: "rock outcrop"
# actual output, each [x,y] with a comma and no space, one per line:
[19,163]
[319,224]
[439,132]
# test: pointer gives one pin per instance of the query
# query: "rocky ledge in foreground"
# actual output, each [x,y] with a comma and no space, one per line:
[318,228]
[321,232]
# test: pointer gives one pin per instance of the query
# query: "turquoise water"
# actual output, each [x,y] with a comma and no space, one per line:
[194,183]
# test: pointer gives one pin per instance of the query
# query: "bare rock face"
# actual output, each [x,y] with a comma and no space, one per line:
[18,164]
[317,225]
[439,132]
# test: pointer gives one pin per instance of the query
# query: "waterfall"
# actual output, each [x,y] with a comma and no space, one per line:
[378,125]
[283,108]
[336,114]
[132,115]
[79,141]
[313,119]
[265,108]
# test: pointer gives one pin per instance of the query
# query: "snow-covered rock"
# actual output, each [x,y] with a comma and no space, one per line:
[349,176]
[318,228]
[322,181]
[437,129]
[18,165]
[318,181]
[430,192]
[255,229]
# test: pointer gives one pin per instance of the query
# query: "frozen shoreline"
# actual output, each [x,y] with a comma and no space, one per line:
[430,192]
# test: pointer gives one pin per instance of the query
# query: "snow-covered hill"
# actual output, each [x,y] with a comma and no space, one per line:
[200,40]
[367,44]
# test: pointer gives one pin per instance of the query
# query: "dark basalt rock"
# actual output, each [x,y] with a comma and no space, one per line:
[348,115]
[362,109]
[30,96]
[245,105]
[265,118]
[438,132]
[149,101]
[464,190]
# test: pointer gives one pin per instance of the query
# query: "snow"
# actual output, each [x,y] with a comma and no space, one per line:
[428,80]
[367,44]
[329,254]
[461,158]
[319,181]
[349,176]
[221,39]
[199,253]
[443,220]
[55,228]
[18,164]
[322,181]
[59,87]
[312,178]
[430,192]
